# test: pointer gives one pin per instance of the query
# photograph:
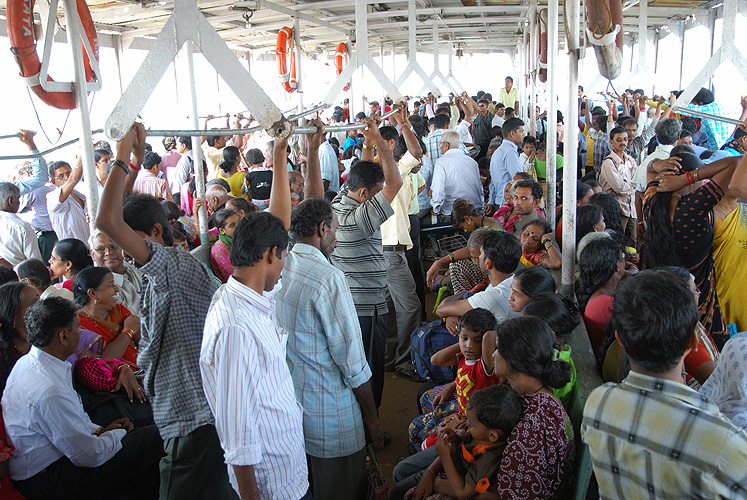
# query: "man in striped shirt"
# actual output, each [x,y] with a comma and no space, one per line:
[148,182]
[243,359]
[362,207]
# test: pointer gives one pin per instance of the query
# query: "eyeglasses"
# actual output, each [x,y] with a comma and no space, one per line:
[64,176]
[101,250]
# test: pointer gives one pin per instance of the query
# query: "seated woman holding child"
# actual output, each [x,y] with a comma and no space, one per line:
[536,458]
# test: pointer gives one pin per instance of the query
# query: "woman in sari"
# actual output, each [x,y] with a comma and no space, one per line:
[679,221]
[100,313]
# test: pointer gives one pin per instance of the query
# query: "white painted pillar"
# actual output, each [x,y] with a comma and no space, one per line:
[552,108]
[197,155]
[683,27]
[297,52]
[643,44]
[74,34]
[435,50]
[570,151]
[533,68]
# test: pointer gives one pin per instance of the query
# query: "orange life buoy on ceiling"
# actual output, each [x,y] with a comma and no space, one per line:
[283,48]
[341,54]
[20,14]
[542,54]
[605,33]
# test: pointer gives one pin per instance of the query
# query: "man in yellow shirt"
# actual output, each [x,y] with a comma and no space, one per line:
[509,96]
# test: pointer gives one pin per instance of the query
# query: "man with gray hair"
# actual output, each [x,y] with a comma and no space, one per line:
[17,237]
[216,197]
[667,133]
[455,175]
[106,253]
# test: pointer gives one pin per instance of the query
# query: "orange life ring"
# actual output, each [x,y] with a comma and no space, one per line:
[283,48]
[341,54]
[20,15]
[605,33]
[542,21]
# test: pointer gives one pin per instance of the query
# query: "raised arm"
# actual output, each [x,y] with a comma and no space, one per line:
[280,200]
[204,127]
[408,132]
[39,174]
[109,218]
[72,181]
[313,184]
[392,178]
[446,356]
[238,139]
[720,172]
[581,124]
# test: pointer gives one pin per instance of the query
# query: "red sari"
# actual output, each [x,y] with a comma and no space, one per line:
[110,329]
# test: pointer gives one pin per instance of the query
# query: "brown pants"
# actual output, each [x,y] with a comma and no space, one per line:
[630,228]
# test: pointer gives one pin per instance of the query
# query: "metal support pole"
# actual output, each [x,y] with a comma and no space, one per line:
[533,67]
[643,43]
[297,49]
[74,35]
[683,26]
[197,155]
[298,130]
[712,37]
[523,70]
[552,113]
[570,151]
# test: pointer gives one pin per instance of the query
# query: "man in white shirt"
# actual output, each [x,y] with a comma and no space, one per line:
[500,115]
[243,359]
[330,165]
[66,206]
[499,257]
[17,238]
[455,175]
[59,452]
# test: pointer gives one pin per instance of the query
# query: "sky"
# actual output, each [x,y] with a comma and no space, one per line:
[169,105]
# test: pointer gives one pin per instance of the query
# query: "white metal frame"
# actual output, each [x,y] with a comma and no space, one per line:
[360,58]
[727,52]
[412,54]
[188,24]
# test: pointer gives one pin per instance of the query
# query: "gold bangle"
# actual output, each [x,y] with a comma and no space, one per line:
[366,146]
[99,432]
[130,333]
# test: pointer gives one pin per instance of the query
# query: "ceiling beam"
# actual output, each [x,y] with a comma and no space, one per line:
[305,17]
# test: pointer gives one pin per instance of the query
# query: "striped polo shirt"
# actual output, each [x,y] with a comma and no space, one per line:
[359,253]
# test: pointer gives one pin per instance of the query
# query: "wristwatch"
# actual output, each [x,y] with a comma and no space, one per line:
[123,166]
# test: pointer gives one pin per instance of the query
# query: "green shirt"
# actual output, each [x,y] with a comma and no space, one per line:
[540,167]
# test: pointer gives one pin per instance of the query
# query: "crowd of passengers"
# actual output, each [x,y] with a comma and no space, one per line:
[130,369]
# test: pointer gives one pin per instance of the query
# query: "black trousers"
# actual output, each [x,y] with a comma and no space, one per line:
[414,263]
[373,330]
[131,473]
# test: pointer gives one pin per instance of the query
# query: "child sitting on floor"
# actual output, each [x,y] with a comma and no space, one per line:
[470,464]
[473,371]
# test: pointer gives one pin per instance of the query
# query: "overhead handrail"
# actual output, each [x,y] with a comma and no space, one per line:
[31,156]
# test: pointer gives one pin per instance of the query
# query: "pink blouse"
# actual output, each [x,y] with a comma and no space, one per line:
[220,261]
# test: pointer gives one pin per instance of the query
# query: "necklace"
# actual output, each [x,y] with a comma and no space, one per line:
[540,388]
